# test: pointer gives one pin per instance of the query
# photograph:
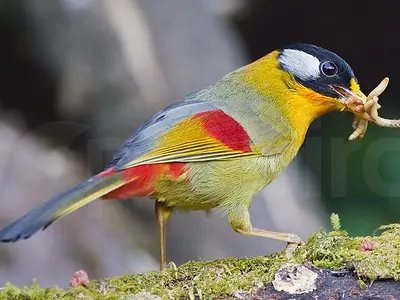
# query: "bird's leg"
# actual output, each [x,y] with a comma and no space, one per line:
[163,214]
[239,218]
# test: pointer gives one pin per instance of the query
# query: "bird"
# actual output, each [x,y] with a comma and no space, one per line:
[219,146]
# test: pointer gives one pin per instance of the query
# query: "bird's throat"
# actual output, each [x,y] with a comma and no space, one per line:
[297,105]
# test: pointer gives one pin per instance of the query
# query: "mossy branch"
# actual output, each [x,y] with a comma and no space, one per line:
[358,262]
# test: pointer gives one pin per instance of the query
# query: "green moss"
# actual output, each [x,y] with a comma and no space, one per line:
[335,222]
[335,250]
[328,250]
[33,292]
[218,277]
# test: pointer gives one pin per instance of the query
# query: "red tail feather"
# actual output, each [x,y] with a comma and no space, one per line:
[145,178]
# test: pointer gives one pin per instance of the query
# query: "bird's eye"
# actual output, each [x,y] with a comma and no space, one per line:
[329,68]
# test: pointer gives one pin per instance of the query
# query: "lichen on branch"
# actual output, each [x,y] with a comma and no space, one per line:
[371,258]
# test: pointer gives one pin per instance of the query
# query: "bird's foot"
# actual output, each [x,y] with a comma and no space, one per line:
[292,244]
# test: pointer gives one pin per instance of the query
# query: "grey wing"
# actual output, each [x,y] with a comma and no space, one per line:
[142,140]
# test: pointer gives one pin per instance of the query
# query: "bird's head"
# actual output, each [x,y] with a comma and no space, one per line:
[322,76]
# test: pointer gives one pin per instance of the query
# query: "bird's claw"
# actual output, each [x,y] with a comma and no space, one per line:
[294,239]
[293,243]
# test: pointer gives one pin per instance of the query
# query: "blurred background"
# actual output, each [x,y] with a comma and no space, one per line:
[78,76]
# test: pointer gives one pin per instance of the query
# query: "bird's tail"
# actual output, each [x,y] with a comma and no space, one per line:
[61,205]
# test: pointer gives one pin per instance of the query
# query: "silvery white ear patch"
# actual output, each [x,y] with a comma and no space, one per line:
[303,65]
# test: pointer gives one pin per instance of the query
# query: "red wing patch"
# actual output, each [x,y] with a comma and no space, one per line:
[226,129]
[206,136]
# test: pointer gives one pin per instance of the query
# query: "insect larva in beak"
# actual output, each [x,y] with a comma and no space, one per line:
[371,107]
